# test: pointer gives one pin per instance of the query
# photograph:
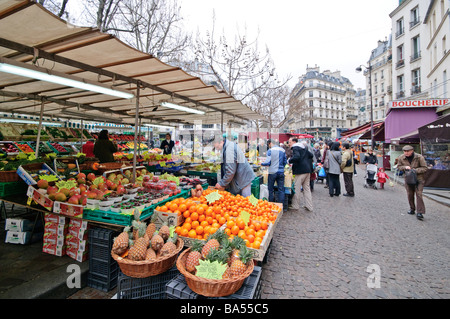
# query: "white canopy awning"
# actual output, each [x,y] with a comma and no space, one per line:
[32,36]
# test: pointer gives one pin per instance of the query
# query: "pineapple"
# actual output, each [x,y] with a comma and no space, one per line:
[157,242]
[139,229]
[139,250]
[151,228]
[213,242]
[150,254]
[170,246]
[236,244]
[221,256]
[239,266]
[164,232]
[121,242]
[194,256]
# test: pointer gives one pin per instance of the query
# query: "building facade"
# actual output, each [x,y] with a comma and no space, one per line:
[361,106]
[323,104]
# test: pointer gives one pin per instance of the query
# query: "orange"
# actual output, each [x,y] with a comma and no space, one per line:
[194,216]
[195,224]
[201,218]
[199,230]
[227,231]
[250,238]
[177,212]
[230,224]
[200,210]
[188,220]
[216,225]
[250,231]
[222,220]
[182,208]
[184,232]
[235,230]
[256,244]
[209,219]
[240,224]
[242,234]
[204,223]
[186,214]
[193,208]
[207,229]
[178,230]
[173,207]
[163,209]
[264,225]
[192,234]
[187,226]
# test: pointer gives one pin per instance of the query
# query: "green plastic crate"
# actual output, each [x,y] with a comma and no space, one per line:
[12,188]
[115,218]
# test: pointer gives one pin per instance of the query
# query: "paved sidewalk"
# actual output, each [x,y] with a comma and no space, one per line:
[326,253]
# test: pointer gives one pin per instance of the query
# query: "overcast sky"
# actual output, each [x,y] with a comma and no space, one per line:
[335,35]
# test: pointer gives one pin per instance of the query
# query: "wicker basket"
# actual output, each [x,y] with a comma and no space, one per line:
[144,268]
[212,287]
[108,167]
[33,166]
[8,176]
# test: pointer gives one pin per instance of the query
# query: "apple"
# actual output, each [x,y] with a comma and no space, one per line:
[92,195]
[83,200]
[120,190]
[42,183]
[81,175]
[91,177]
[73,200]
[82,188]
[81,180]
[52,190]
[74,191]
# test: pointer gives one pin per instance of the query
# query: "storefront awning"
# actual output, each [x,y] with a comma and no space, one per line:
[361,129]
[437,131]
[32,36]
[378,133]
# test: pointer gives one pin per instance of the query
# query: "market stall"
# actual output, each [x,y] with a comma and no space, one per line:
[56,59]
[435,142]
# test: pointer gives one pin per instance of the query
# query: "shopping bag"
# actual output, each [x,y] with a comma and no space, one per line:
[391,183]
[322,173]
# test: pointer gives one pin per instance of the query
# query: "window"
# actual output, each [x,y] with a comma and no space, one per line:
[400,87]
[311,84]
[416,77]
[415,48]
[400,27]
[311,93]
[414,17]
[382,74]
[311,103]
[444,45]
[382,87]
[400,60]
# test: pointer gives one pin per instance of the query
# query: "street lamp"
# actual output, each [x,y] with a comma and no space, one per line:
[359,69]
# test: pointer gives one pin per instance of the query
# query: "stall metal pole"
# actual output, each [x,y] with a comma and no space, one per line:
[136,123]
[139,136]
[81,140]
[39,128]
[221,122]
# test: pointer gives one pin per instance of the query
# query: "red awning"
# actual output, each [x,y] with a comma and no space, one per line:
[360,129]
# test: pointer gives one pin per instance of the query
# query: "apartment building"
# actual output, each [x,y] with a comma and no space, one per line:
[361,106]
[324,104]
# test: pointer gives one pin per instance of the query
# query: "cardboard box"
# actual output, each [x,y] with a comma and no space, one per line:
[23,238]
[67,209]
[172,219]
[54,249]
[74,243]
[78,255]
[77,223]
[59,229]
[53,238]
[80,233]
[26,176]
[18,225]
[39,198]
[48,217]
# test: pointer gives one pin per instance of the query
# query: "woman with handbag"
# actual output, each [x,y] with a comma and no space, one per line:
[334,170]
[414,166]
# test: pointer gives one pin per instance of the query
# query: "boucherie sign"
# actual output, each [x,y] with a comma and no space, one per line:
[418,103]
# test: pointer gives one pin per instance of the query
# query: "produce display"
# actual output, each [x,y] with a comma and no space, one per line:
[58,147]
[145,242]
[9,148]
[208,167]
[8,130]
[43,148]
[24,147]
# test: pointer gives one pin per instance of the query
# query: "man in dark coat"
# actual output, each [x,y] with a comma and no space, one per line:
[302,167]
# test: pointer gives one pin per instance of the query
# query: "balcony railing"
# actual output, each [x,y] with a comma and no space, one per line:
[399,32]
[416,89]
[415,22]
[415,56]
[400,63]
[400,94]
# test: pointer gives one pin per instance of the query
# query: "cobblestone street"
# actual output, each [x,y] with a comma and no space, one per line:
[326,253]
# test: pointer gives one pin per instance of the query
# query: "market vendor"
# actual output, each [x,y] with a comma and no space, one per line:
[104,148]
[167,145]
[237,174]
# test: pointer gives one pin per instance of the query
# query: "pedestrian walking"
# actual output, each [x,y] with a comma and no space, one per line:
[370,158]
[382,177]
[301,161]
[412,164]
[347,167]
[334,170]
[276,160]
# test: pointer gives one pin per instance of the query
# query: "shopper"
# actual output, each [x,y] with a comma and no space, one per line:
[167,145]
[104,148]
[348,170]
[409,162]
[370,157]
[236,173]
[334,169]
[302,167]
[276,160]
[382,177]
[326,162]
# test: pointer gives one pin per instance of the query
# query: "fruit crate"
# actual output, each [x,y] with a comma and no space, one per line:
[177,288]
[116,218]
[103,269]
[61,152]
[153,287]
[12,188]
[43,147]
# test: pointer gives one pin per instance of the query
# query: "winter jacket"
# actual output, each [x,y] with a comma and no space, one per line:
[370,159]
[104,150]
[236,172]
[348,154]
[335,160]
[301,159]
[276,160]
[418,163]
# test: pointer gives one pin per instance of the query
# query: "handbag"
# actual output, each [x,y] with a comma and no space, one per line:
[411,177]
[349,162]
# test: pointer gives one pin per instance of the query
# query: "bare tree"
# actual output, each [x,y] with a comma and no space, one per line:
[55,6]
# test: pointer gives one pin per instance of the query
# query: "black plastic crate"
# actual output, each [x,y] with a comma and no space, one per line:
[103,269]
[153,287]
[177,288]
